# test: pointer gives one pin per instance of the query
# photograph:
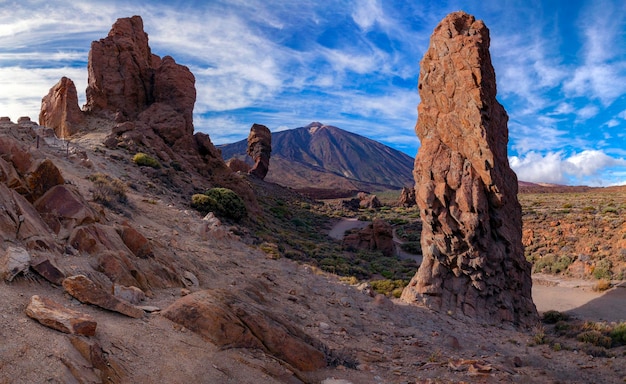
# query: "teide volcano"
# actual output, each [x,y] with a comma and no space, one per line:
[321,157]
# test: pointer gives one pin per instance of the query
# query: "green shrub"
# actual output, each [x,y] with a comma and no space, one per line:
[221,201]
[618,334]
[552,317]
[389,287]
[595,338]
[146,160]
[602,269]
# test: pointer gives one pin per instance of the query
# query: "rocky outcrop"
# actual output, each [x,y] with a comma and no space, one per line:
[86,291]
[152,100]
[120,72]
[54,315]
[367,201]
[60,110]
[259,149]
[378,235]
[474,261]
[407,197]
[231,320]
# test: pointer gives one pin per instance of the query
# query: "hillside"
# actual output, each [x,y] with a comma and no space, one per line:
[327,157]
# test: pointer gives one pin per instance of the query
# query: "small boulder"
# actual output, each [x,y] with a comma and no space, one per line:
[56,316]
[86,291]
[131,294]
[16,260]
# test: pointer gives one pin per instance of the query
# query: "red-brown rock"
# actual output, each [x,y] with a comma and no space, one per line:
[407,197]
[238,165]
[63,208]
[54,315]
[60,110]
[234,321]
[174,85]
[467,194]
[45,176]
[135,241]
[260,148]
[377,235]
[86,291]
[120,73]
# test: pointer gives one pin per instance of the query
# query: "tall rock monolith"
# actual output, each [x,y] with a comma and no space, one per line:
[474,263]
[260,148]
[60,110]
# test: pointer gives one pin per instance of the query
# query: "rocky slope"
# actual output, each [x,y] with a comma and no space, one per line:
[327,157]
[108,275]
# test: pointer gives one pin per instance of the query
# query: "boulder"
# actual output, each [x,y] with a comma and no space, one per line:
[377,235]
[131,294]
[63,208]
[47,268]
[368,201]
[54,315]
[86,291]
[16,260]
[471,239]
[135,241]
[40,180]
[407,197]
[238,165]
[60,110]
[259,149]
[232,320]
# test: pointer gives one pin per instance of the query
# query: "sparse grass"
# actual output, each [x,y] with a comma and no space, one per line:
[143,159]
[389,287]
[602,285]
[108,191]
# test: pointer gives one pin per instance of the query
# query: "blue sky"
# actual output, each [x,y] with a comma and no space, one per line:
[560,67]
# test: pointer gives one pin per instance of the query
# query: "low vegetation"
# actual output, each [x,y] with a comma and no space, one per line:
[108,191]
[223,202]
[143,159]
[599,339]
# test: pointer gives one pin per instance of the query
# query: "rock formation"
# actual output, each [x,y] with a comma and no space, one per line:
[407,197]
[60,110]
[259,148]
[474,261]
[378,235]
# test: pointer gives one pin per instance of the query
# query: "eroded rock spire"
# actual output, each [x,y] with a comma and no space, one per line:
[474,261]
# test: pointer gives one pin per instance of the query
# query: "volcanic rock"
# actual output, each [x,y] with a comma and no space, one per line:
[54,315]
[174,85]
[377,235]
[259,148]
[467,194]
[16,260]
[232,320]
[86,291]
[407,197]
[44,177]
[120,73]
[60,110]
[368,201]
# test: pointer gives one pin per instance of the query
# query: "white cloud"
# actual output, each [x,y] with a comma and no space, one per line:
[367,13]
[586,112]
[587,167]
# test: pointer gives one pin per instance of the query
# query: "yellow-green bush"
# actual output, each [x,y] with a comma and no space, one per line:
[221,201]
[146,160]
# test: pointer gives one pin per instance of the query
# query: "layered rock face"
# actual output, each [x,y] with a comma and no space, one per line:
[60,110]
[474,261]
[260,148]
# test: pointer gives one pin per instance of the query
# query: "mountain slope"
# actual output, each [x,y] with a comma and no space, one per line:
[326,157]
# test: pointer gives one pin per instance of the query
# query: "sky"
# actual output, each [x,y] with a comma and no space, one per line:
[560,68]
